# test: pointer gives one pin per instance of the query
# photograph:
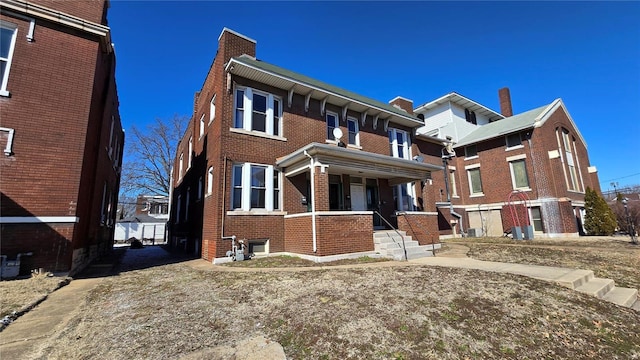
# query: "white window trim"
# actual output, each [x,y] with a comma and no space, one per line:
[257,134]
[468,169]
[201,126]
[357,139]
[8,149]
[4,81]
[247,109]
[210,181]
[407,143]
[181,165]
[212,109]
[246,189]
[326,122]
[513,176]
[190,152]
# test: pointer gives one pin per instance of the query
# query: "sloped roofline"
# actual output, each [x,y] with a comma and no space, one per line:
[546,114]
[456,98]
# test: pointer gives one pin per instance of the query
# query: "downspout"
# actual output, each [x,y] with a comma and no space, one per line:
[312,169]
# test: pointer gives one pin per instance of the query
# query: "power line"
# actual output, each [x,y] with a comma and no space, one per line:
[622,177]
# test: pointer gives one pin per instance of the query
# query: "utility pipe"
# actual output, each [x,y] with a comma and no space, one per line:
[312,169]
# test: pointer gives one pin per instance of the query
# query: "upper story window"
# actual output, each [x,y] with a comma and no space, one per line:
[332,123]
[212,109]
[180,166]
[202,125]
[519,177]
[573,175]
[514,140]
[399,144]
[475,182]
[210,181]
[470,151]
[253,189]
[354,134]
[190,151]
[8,33]
[470,116]
[257,111]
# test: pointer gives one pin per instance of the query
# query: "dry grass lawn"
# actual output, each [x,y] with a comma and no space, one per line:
[373,311]
[20,293]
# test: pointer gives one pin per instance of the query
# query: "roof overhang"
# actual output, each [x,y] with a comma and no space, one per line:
[30,9]
[355,162]
[463,102]
[245,69]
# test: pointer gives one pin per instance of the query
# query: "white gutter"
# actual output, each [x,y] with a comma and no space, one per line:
[312,168]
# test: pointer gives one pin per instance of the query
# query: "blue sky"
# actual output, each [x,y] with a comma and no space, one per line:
[587,53]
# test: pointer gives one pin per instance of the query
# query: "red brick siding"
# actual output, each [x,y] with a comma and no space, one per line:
[298,233]
[51,245]
[422,228]
[342,234]
[92,10]
[255,227]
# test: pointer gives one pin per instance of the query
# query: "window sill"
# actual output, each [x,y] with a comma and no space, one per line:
[258,134]
[329,141]
[5,93]
[523,189]
[514,148]
[576,192]
[355,147]
[476,195]
[471,158]
[256,212]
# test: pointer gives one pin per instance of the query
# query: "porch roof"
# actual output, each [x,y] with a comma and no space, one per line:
[355,162]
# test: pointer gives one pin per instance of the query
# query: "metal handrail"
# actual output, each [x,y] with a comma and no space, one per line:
[404,248]
[433,249]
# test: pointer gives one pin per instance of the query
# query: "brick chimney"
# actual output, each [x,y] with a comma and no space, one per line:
[403,104]
[505,102]
[232,44]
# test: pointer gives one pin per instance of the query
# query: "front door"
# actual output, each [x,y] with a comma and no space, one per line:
[358,201]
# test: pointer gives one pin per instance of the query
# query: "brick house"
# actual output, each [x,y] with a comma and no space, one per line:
[60,131]
[292,164]
[539,154]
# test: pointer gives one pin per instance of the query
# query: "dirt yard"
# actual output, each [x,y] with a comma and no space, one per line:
[372,311]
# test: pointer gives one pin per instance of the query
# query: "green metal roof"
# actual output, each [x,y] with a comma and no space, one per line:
[525,120]
[321,86]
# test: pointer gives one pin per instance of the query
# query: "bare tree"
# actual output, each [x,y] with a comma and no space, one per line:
[150,154]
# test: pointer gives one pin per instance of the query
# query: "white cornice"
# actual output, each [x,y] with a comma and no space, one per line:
[58,17]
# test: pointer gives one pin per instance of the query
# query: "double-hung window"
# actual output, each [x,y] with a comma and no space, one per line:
[252,188]
[513,140]
[354,134]
[190,152]
[202,125]
[257,111]
[210,180]
[332,123]
[212,109]
[8,33]
[475,181]
[399,144]
[519,176]
[400,147]
[181,165]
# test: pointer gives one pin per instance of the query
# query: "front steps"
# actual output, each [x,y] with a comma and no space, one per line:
[388,243]
[606,289]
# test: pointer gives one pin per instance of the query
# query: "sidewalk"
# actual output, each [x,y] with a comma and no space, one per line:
[24,338]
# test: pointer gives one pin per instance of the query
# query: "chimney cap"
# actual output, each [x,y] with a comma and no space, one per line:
[235,33]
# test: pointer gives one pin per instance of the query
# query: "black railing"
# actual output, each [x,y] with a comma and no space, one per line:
[394,229]
[433,249]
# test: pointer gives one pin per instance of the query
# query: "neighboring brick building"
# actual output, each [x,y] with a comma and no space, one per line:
[539,153]
[61,133]
[260,160]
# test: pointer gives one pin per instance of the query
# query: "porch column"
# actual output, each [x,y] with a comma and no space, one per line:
[321,185]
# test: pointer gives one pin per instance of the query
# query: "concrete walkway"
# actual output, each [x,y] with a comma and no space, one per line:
[576,279]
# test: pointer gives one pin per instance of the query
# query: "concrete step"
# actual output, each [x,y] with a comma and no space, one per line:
[397,245]
[622,296]
[387,233]
[412,253]
[391,238]
[636,305]
[575,278]
[597,287]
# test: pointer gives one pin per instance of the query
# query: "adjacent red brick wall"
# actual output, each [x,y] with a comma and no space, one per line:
[60,159]
[421,227]
[51,245]
[343,234]
[298,233]
[255,227]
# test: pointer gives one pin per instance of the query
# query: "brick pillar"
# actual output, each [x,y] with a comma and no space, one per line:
[428,196]
[321,187]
